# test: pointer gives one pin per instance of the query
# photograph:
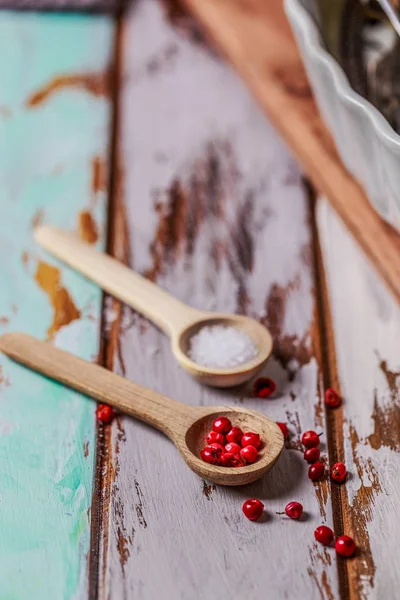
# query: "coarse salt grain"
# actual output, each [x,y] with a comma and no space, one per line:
[221,347]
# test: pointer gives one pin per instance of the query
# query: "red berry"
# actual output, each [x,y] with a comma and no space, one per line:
[238,461]
[253,509]
[284,428]
[311,455]
[324,535]
[234,435]
[222,425]
[345,546]
[227,459]
[249,453]
[251,439]
[233,448]
[263,387]
[310,439]
[208,456]
[294,510]
[332,398]
[105,413]
[215,438]
[218,449]
[316,471]
[212,454]
[338,472]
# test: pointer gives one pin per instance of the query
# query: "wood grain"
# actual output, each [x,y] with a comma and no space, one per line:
[366,326]
[249,34]
[47,436]
[213,210]
[186,426]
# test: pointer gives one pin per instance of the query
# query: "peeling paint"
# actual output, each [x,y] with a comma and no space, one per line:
[286,346]
[49,280]
[124,540]
[139,504]
[392,378]
[159,61]
[294,442]
[170,231]
[4,379]
[97,84]
[25,258]
[196,202]
[38,218]
[318,555]
[99,175]
[322,492]
[386,419]
[178,16]
[208,489]
[386,415]
[362,505]
[5,112]
[87,227]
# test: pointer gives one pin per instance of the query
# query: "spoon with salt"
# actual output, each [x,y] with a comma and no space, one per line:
[183,324]
[186,426]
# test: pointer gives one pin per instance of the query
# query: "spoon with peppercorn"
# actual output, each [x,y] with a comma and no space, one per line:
[217,349]
[186,426]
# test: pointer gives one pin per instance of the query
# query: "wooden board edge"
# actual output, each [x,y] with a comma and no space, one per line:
[116,246]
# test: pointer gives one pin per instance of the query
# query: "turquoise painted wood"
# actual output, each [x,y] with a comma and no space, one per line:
[54,130]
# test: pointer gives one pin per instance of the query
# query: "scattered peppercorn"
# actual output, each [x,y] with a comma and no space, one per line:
[332,398]
[253,509]
[316,471]
[293,510]
[311,455]
[284,428]
[339,472]
[324,535]
[310,439]
[345,546]
[264,387]
[105,413]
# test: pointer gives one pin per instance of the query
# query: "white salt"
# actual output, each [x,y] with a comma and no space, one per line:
[221,347]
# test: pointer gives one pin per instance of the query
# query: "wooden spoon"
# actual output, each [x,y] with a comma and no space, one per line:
[186,426]
[179,321]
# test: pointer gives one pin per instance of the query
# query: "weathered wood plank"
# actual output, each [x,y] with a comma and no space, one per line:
[249,33]
[366,327]
[217,214]
[54,123]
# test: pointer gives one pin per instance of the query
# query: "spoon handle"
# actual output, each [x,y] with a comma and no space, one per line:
[161,412]
[168,313]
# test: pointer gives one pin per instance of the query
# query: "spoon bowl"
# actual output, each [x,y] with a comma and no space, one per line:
[230,376]
[179,321]
[186,426]
[247,420]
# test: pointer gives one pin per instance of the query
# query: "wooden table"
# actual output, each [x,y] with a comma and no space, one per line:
[137,135]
